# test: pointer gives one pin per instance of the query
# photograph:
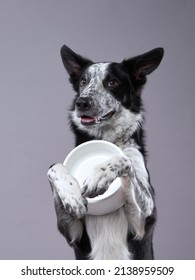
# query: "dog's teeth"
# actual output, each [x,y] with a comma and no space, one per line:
[97,120]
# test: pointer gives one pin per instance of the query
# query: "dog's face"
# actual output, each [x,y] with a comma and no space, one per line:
[95,103]
[106,90]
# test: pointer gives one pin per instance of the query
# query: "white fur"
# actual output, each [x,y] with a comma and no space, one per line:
[141,173]
[120,129]
[108,236]
[67,189]
[104,230]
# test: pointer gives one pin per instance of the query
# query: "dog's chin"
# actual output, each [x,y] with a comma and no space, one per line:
[89,120]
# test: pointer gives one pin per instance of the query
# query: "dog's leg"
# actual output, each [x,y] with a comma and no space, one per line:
[138,193]
[70,206]
[131,168]
[138,204]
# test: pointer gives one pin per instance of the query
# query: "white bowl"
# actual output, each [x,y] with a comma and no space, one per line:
[82,160]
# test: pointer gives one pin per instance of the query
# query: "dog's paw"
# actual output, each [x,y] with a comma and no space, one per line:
[76,206]
[104,175]
[101,178]
[68,190]
[97,183]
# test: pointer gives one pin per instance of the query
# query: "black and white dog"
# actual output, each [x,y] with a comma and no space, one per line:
[108,106]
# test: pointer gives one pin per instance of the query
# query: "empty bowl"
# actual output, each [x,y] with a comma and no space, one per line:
[81,162]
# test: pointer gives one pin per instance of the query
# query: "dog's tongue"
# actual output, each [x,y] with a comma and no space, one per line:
[87,120]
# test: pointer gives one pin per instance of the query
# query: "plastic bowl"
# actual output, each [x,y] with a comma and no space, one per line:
[80,163]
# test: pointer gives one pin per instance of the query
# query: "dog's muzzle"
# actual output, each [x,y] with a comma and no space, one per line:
[84,106]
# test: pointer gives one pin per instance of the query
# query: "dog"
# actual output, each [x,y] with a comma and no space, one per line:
[108,106]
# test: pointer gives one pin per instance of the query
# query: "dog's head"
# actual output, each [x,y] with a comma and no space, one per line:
[104,88]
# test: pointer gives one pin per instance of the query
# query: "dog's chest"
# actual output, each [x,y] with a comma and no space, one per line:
[108,236]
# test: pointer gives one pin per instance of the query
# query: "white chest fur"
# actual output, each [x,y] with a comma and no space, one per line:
[108,236]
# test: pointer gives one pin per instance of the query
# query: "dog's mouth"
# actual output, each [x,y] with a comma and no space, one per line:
[88,120]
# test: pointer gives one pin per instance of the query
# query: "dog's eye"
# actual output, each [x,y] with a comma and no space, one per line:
[83,82]
[112,83]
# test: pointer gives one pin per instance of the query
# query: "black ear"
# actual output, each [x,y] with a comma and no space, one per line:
[144,64]
[73,62]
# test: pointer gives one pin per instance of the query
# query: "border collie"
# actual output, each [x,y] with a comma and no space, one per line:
[108,106]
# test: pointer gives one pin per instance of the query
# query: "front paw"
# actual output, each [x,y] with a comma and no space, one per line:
[98,182]
[74,205]
[104,175]
[67,189]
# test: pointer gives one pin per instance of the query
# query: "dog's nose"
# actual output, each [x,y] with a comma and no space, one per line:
[83,103]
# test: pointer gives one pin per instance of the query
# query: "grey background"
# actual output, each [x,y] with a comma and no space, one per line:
[35,97]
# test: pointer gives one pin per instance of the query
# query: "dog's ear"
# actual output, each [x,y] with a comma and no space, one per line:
[73,62]
[142,65]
